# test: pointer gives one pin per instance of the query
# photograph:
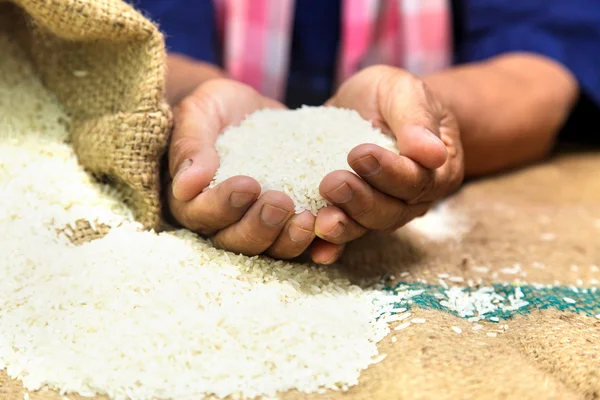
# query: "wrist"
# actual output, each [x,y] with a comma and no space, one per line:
[185,74]
[509,108]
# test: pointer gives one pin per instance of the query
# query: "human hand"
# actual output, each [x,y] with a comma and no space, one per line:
[394,188]
[231,213]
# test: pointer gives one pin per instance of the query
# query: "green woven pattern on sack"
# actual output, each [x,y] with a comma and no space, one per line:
[564,298]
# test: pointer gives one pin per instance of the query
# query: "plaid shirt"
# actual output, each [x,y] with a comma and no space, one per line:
[256,37]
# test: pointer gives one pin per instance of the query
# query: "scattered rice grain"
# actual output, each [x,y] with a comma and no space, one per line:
[402,326]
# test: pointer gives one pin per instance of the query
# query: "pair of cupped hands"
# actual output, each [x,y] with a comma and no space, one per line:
[387,191]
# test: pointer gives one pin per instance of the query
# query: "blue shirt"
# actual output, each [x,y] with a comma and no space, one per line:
[566,31]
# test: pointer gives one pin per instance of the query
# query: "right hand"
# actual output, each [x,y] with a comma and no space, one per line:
[231,213]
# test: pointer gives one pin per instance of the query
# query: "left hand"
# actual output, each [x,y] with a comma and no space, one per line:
[395,188]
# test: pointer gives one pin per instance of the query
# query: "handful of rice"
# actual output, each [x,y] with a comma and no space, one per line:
[292,150]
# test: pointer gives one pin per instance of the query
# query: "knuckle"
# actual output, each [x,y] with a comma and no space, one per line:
[200,103]
[192,222]
[238,242]
[341,239]
[182,214]
[180,146]
[189,217]
[402,82]
[285,253]
[366,209]
[431,109]
[177,211]
[187,107]
[218,242]
[253,242]
[423,188]
[419,85]
[399,217]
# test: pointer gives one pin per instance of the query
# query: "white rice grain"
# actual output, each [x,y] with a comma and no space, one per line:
[292,150]
[400,317]
[440,224]
[402,326]
[379,358]
[482,269]
[143,315]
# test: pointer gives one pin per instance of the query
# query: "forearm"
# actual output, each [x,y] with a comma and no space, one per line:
[185,74]
[509,109]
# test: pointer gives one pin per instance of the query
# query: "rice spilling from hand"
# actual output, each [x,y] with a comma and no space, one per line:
[148,316]
[293,150]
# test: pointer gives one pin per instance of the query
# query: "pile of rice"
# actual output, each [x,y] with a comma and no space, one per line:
[146,316]
[292,150]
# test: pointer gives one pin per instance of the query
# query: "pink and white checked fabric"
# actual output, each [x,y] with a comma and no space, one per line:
[410,34]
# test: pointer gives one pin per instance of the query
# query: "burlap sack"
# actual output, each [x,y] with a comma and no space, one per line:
[105,62]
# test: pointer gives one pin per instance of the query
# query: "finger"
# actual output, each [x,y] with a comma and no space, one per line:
[400,103]
[259,228]
[218,207]
[369,207]
[326,253]
[193,159]
[394,175]
[295,237]
[334,226]
[404,179]
[414,115]
[199,119]
[195,173]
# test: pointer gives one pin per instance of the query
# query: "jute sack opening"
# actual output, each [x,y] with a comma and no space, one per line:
[105,62]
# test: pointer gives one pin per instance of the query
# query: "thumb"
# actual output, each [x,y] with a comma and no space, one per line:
[414,115]
[196,165]
[193,159]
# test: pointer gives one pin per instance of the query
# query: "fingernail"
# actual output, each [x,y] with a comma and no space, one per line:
[434,137]
[273,215]
[336,231]
[342,194]
[438,142]
[183,166]
[367,166]
[298,234]
[239,199]
[332,259]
